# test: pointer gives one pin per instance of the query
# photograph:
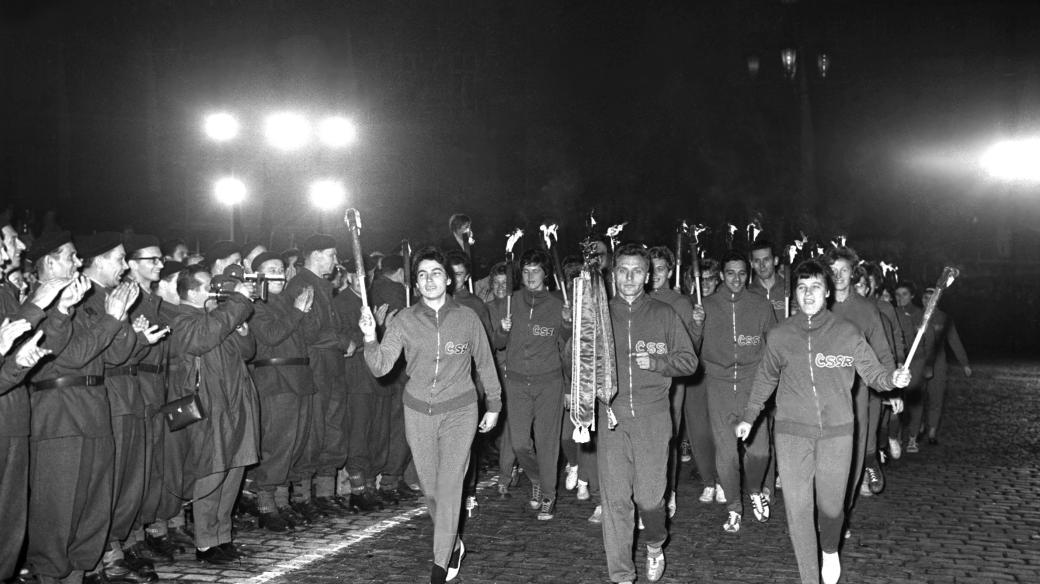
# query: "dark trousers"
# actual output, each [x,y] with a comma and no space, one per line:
[935,391]
[536,407]
[154,429]
[698,430]
[583,455]
[368,428]
[70,503]
[128,474]
[726,407]
[14,500]
[633,473]
[328,443]
[284,427]
[815,472]
[398,455]
[678,397]
[178,480]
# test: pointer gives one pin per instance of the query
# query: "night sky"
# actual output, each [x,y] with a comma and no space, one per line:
[521,112]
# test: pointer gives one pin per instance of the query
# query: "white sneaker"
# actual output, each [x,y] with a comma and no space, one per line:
[654,563]
[911,445]
[720,495]
[456,561]
[583,490]
[776,483]
[732,524]
[707,495]
[864,489]
[571,479]
[895,448]
[830,568]
[597,515]
[641,526]
[671,505]
[760,506]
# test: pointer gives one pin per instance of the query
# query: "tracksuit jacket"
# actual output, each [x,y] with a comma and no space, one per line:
[440,382]
[733,334]
[815,359]
[533,345]
[652,326]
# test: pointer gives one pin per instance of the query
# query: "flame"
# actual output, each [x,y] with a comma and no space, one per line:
[755,230]
[684,228]
[886,268]
[792,250]
[592,218]
[512,238]
[732,230]
[819,250]
[841,238]
[697,231]
[951,274]
[614,230]
[549,234]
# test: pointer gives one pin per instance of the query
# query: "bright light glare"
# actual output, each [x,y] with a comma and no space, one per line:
[287,131]
[1014,160]
[229,190]
[328,194]
[337,132]
[221,127]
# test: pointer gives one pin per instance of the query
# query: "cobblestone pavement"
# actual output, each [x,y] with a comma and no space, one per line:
[962,511]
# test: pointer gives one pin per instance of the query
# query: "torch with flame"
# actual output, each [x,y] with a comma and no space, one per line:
[511,240]
[694,243]
[549,234]
[613,232]
[682,230]
[732,232]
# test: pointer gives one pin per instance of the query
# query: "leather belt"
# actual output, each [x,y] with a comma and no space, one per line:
[119,371]
[281,361]
[70,381]
[147,368]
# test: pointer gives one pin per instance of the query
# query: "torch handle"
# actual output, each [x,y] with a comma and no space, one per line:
[696,265]
[353,221]
[787,291]
[678,261]
[469,254]
[945,280]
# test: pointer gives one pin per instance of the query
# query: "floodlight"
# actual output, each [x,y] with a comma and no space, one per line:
[221,127]
[328,194]
[1013,160]
[287,131]
[337,132]
[230,190]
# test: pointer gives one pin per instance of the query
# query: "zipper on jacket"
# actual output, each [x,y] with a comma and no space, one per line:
[437,360]
[736,347]
[631,399]
[812,378]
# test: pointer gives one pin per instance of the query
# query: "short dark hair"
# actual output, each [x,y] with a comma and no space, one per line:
[762,243]
[734,256]
[170,245]
[427,253]
[187,280]
[457,257]
[632,249]
[908,284]
[499,269]
[710,265]
[572,265]
[842,252]
[661,252]
[537,257]
[458,220]
[813,269]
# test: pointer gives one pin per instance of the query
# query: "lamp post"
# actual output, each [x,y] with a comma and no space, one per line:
[230,191]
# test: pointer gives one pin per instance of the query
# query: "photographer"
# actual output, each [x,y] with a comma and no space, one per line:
[226,440]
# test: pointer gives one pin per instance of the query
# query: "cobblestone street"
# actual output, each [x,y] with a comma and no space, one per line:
[964,510]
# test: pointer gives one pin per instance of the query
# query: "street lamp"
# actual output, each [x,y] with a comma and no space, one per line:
[337,132]
[1013,160]
[221,127]
[287,131]
[230,191]
[326,195]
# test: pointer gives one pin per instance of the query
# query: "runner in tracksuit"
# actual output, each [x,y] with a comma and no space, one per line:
[652,346]
[733,338]
[815,357]
[442,342]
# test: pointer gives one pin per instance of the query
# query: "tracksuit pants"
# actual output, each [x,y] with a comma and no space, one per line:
[441,445]
[536,404]
[633,473]
[726,407]
[698,430]
[815,471]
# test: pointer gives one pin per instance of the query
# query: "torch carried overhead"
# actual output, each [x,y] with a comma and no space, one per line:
[695,241]
[406,256]
[549,234]
[511,240]
[467,242]
[353,220]
[680,231]
[949,274]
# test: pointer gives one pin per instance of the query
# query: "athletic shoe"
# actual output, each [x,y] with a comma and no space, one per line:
[864,488]
[760,506]
[641,526]
[720,495]
[882,456]
[583,491]
[438,575]
[895,449]
[471,505]
[911,445]
[597,515]
[548,510]
[536,497]
[685,451]
[776,483]
[671,505]
[830,568]
[571,479]
[875,479]
[514,476]
[654,563]
[707,495]
[848,533]
[732,525]
[456,561]
[503,492]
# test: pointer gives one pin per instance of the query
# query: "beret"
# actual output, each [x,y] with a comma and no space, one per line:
[316,242]
[265,257]
[135,242]
[47,243]
[219,250]
[170,268]
[90,246]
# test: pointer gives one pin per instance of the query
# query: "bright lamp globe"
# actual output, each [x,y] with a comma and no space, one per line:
[221,127]
[328,194]
[337,132]
[287,131]
[230,190]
